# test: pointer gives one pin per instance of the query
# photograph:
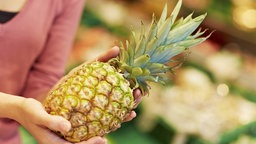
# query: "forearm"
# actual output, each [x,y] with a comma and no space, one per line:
[10,105]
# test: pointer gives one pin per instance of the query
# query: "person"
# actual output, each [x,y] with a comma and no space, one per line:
[35,40]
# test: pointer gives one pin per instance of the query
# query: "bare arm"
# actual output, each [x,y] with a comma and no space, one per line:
[31,114]
[9,105]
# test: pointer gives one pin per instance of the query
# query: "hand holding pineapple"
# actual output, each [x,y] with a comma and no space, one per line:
[96,97]
[31,114]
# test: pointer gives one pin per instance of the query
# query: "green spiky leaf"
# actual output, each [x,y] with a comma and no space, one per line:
[146,59]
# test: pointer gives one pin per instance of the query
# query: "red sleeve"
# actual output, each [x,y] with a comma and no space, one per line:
[50,65]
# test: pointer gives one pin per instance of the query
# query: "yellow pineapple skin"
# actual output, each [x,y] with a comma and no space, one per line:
[94,97]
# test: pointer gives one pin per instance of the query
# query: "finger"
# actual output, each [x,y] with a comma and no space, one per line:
[55,123]
[95,140]
[130,116]
[111,53]
[42,118]
[45,136]
[137,96]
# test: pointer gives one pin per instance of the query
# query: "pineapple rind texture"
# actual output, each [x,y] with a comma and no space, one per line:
[94,97]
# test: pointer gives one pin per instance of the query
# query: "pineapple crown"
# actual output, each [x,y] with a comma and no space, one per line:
[145,59]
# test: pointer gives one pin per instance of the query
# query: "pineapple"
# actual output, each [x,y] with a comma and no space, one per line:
[96,97]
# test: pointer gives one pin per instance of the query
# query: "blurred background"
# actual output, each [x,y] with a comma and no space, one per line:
[211,99]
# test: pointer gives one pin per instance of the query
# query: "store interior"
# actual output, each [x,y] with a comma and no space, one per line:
[211,98]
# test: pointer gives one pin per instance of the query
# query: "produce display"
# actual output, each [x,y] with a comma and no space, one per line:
[97,96]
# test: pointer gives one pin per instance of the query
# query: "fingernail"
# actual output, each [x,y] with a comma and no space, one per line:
[100,141]
[65,127]
[116,47]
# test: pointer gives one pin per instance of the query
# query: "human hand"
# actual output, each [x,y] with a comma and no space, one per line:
[39,123]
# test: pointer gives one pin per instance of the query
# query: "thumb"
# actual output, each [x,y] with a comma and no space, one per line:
[111,53]
[56,123]
[96,140]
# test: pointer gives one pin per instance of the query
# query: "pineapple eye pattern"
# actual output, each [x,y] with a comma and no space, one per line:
[96,97]
[94,103]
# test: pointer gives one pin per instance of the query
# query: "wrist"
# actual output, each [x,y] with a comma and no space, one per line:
[10,106]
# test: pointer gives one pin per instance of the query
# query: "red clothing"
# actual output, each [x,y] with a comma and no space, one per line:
[34,47]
